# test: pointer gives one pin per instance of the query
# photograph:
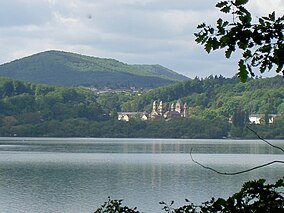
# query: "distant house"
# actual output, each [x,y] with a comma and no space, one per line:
[126,116]
[256,118]
[260,118]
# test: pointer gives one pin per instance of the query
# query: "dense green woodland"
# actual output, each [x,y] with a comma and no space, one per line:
[28,109]
[58,68]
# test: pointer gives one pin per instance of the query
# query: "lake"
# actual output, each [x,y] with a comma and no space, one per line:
[69,175]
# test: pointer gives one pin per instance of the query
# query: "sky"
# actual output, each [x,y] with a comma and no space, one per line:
[131,31]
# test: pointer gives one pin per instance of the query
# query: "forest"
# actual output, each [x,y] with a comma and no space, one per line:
[58,68]
[37,110]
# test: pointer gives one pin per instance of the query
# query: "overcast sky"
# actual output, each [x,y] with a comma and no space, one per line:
[131,31]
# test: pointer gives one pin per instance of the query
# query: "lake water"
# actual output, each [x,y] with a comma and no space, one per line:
[39,175]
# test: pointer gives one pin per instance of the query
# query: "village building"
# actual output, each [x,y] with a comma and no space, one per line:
[177,110]
[260,118]
[126,116]
[180,110]
[157,111]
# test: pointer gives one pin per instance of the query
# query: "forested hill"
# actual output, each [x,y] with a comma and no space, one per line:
[28,109]
[217,96]
[70,69]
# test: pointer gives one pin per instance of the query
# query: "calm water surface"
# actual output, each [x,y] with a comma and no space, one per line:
[39,175]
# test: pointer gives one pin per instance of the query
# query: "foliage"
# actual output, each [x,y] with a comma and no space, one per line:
[115,206]
[216,96]
[261,43]
[39,110]
[49,102]
[69,69]
[254,196]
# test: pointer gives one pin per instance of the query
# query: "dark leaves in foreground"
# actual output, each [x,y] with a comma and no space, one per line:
[255,196]
[115,206]
[261,43]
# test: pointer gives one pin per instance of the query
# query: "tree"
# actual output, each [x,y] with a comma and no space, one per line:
[8,89]
[254,196]
[261,43]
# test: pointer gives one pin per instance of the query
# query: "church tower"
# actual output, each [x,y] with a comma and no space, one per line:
[161,108]
[178,106]
[154,106]
[172,107]
[185,110]
[154,114]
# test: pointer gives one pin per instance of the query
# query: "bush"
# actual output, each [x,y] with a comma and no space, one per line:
[255,196]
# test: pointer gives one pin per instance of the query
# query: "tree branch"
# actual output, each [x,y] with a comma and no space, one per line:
[247,170]
[270,144]
[234,173]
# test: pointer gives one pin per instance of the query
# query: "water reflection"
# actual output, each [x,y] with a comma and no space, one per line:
[138,146]
[67,175]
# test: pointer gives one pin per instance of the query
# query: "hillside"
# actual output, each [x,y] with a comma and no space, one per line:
[70,69]
[28,109]
[217,96]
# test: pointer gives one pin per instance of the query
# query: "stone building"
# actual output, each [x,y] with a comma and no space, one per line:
[177,110]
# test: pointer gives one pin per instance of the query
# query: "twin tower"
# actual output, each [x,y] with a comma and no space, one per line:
[176,110]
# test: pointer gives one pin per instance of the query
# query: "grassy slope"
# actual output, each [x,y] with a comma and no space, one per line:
[70,69]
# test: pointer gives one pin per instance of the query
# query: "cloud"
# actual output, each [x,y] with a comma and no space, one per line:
[263,7]
[19,13]
[132,31]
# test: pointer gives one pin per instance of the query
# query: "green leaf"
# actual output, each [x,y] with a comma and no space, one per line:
[226,9]
[261,21]
[228,53]
[250,70]
[202,25]
[243,74]
[219,22]
[208,46]
[226,23]
[270,65]
[240,2]
[199,38]
[215,43]
[247,54]
[263,67]
[272,16]
[242,10]
[265,48]
[224,40]
[280,183]
[211,30]
[245,19]
[279,69]
[221,4]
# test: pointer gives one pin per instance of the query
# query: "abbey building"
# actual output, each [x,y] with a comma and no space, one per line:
[176,110]
[159,111]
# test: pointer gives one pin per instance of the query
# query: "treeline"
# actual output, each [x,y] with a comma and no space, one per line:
[179,128]
[28,109]
[217,96]
[24,105]
[80,127]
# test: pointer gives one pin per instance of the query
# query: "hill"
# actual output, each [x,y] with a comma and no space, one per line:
[28,109]
[217,96]
[69,69]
